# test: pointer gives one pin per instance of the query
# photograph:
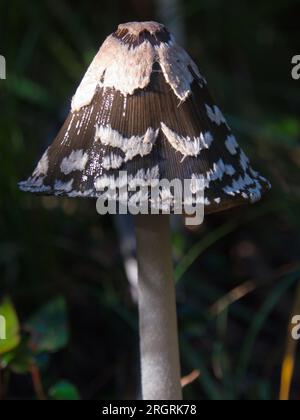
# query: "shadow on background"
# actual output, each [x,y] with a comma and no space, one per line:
[60,265]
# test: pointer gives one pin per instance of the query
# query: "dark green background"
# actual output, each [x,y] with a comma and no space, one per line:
[59,247]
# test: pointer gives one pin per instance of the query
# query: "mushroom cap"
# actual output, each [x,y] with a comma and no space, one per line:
[135,29]
[142,114]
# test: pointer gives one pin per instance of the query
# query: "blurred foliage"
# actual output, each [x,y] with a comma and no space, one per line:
[64,390]
[48,328]
[12,327]
[44,333]
[236,275]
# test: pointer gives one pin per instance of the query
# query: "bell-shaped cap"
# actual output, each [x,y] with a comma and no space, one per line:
[143,109]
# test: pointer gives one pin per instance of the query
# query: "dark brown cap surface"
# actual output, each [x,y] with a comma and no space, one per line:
[143,107]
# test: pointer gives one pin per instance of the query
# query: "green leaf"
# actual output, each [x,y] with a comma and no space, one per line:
[9,327]
[49,327]
[6,359]
[20,359]
[64,390]
[202,246]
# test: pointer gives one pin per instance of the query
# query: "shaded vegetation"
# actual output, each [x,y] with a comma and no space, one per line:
[72,322]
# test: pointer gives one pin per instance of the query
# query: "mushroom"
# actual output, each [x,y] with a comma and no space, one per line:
[143,114]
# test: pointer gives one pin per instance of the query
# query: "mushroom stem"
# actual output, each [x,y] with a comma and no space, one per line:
[160,366]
